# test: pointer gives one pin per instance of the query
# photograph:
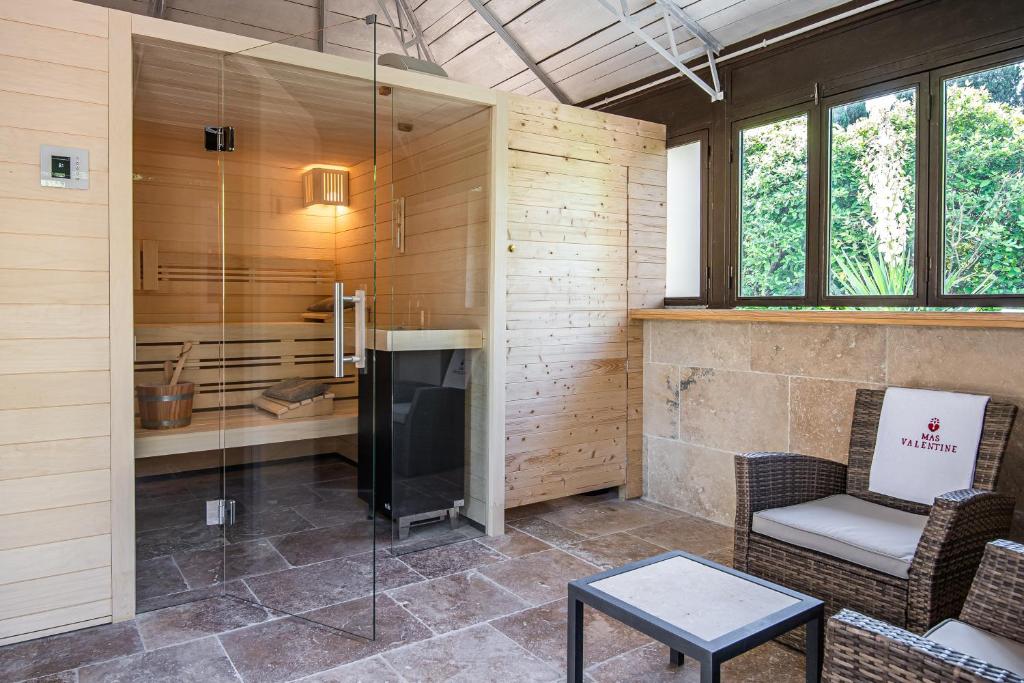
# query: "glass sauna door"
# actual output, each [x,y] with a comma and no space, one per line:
[299,198]
[432,314]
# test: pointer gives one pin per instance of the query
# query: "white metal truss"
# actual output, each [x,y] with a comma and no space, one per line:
[404,23]
[676,21]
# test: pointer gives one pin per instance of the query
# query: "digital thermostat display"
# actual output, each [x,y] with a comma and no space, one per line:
[64,167]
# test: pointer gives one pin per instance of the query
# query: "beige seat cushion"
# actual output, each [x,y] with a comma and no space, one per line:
[848,528]
[988,647]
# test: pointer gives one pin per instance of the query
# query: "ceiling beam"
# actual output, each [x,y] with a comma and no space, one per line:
[405,22]
[672,12]
[514,45]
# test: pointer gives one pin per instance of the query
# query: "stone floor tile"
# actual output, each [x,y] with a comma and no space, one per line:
[371,670]
[451,559]
[174,515]
[251,526]
[290,648]
[336,509]
[204,568]
[195,536]
[614,550]
[201,661]
[688,533]
[606,517]
[515,543]
[156,577]
[197,619]
[62,677]
[546,531]
[162,601]
[456,601]
[540,577]
[769,662]
[329,543]
[55,654]
[542,631]
[263,499]
[479,653]
[326,583]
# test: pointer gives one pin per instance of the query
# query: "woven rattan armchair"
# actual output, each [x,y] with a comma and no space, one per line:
[859,648]
[958,525]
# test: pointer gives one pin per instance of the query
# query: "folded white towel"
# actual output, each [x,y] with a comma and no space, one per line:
[927,443]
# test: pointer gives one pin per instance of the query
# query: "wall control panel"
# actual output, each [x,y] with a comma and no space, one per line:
[64,167]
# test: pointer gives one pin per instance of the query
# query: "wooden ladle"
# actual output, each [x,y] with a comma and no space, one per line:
[186,348]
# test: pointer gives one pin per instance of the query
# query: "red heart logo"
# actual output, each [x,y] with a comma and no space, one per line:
[933,425]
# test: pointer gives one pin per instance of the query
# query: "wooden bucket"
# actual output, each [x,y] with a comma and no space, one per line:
[165,406]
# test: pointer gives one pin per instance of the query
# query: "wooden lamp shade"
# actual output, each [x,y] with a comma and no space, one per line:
[325,186]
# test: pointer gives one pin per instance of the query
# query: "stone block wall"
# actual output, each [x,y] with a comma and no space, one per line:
[713,389]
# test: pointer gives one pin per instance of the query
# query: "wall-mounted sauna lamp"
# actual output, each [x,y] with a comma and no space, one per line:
[325,186]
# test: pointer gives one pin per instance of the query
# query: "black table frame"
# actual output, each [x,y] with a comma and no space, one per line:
[711,654]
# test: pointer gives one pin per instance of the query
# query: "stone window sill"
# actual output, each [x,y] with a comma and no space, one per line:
[911,318]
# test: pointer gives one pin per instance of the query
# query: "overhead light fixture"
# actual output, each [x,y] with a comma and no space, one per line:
[327,186]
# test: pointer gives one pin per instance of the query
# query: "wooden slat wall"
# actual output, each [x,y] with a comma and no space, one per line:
[55,479]
[267,231]
[586,197]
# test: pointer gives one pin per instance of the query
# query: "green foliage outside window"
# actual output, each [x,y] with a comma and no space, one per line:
[871,202]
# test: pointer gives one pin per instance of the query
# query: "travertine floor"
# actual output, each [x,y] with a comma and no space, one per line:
[489,609]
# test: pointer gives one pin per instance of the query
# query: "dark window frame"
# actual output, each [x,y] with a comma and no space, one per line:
[936,184]
[811,257]
[919,298]
[703,137]
[929,238]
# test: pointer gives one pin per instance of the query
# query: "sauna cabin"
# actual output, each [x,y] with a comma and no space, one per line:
[262,193]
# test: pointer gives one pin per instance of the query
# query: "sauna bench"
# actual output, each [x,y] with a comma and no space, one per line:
[243,427]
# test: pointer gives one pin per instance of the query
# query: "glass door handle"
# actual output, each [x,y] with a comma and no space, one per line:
[358,300]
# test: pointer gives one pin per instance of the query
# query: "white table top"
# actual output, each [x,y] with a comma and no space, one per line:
[702,600]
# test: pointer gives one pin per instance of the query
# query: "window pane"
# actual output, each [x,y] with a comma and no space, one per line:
[872,196]
[683,255]
[983,200]
[773,208]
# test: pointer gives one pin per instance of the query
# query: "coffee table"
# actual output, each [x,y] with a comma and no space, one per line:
[698,608]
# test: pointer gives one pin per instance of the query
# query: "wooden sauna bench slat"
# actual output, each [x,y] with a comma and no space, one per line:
[243,427]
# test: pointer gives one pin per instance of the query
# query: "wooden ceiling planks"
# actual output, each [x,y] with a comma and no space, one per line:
[576,42]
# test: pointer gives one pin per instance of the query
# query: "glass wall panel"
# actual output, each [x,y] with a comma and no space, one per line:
[983,182]
[872,190]
[683,258]
[773,209]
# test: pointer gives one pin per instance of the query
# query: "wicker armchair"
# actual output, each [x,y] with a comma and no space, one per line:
[957,527]
[859,648]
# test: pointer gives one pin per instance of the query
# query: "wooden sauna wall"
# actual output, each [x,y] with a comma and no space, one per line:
[586,214]
[55,477]
[279,256]
[441,279]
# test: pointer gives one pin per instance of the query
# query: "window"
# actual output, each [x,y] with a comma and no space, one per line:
[872,196]
[685,256]
[982,203]
[908,192]
[773,191]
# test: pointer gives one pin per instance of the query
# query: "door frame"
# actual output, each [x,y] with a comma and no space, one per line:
[124,27]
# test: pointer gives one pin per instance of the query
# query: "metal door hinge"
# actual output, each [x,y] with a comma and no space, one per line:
[220,512]
[219,138]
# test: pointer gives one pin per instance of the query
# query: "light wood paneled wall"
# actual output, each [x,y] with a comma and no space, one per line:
[441,279]
[586,204]
[55,476]
[279,255]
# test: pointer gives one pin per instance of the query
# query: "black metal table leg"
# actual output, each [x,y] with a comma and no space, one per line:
[815,655]
[574,666]
[675,657]
[710,671]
